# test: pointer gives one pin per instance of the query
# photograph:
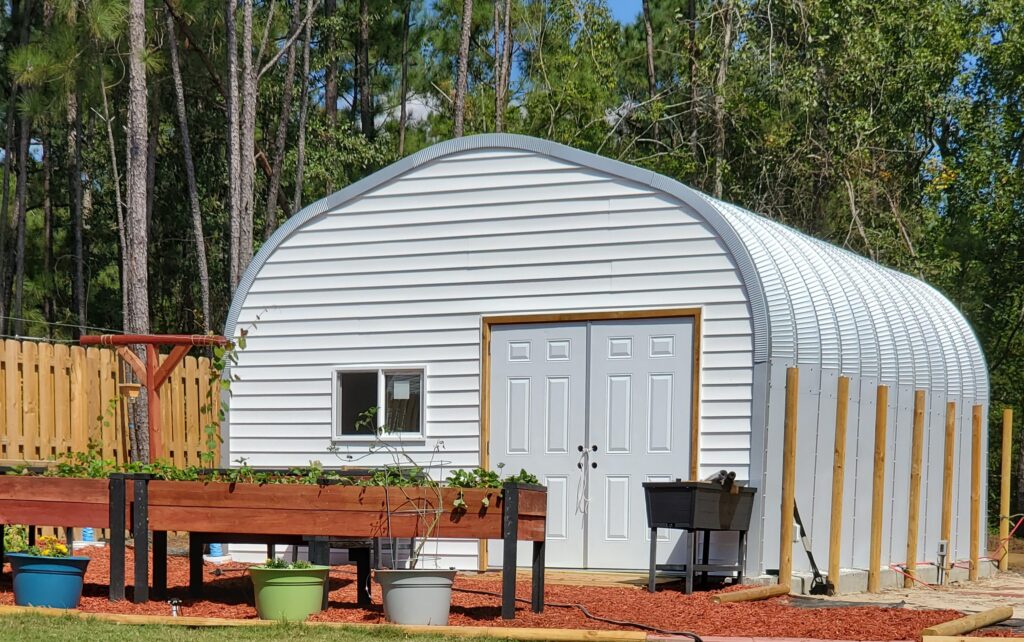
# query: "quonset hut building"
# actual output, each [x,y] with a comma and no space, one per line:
[511,301]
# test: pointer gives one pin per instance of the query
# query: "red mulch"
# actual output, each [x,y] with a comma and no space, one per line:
[228,594]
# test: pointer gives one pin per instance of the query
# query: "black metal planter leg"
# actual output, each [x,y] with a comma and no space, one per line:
[195,565]
[116,517]
[159,565]
[140,526]
[361,556]
[653,570]
[510,533]
[537,596]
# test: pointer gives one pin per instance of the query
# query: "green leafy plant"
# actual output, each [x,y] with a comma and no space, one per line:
[279,563]
[15,537]
[46,546]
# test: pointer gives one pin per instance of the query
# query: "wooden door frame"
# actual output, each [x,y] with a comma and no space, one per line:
[487,322]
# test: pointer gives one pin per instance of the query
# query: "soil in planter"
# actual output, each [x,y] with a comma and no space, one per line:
[229,595]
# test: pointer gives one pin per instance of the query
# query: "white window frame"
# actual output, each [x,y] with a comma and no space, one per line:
[381,369]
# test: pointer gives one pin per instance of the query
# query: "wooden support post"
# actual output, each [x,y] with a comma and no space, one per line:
[975,539]
[116,517]
[153,403]
[835,533]
[878,488]
[510,534]
[751,594]
[788,477]
[1004,490]
[914,516]
[971,622]
[945,531]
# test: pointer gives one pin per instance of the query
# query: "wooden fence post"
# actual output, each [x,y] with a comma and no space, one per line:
[12,397]
[914,515]
[30,400]
[835,534]
[788,477]
[1004,490]
[877,488]
[972,573]
[947,484]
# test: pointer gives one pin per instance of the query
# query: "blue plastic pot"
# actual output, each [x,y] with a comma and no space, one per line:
[54,582]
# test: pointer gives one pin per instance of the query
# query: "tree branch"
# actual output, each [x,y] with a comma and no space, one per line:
[288,43]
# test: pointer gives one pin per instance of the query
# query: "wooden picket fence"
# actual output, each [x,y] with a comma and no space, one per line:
[54,398]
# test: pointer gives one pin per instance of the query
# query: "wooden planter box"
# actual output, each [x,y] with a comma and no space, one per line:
[339,511]
[318,514]
[66,502]
[54,501]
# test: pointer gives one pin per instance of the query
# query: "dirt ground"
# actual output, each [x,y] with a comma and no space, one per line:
[1004,589]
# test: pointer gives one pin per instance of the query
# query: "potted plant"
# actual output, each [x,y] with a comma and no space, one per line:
[48,575]
[411,591]
[288,591]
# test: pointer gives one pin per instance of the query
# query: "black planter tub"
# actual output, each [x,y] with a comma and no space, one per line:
[698,507]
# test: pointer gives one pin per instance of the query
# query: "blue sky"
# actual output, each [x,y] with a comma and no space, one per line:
[624,10]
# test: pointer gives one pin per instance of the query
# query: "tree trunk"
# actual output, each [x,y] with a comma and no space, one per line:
[497,61]
[300,160]
[233,158]
[363,59]
[21,206]
[74,137]
[462,76]
[502,60]
[719,103]
[247,148]
[136,260]
[151,150]
[651,79]
[331,68]
[4,207]
[190,175]
[692,20]
[403,114]
[48,281]
[119,203]
[281,140]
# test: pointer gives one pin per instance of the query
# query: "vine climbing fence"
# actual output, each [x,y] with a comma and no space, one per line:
[56,398]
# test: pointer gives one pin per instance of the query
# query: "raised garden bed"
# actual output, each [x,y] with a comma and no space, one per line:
[70,503]
[313,512]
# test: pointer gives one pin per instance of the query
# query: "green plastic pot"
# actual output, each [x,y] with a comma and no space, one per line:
[288,594]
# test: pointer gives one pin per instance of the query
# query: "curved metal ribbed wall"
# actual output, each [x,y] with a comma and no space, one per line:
[811,302]
[830,307]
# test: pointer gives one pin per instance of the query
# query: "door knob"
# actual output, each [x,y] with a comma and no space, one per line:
[594,448]
[593,464]
[580,448]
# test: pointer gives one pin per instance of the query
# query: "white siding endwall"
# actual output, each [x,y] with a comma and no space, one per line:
[404,273]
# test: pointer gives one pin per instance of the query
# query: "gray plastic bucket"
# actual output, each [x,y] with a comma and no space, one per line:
[416,596]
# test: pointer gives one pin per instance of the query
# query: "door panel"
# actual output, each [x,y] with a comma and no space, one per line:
[538,420]
[641,382]
[621,390]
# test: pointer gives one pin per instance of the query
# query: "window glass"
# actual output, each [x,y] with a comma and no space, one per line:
[358,394]
[402,401]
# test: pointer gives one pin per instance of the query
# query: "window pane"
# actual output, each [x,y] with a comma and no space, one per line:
[358,394]
[402,399]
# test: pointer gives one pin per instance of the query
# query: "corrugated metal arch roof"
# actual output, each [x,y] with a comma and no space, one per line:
[810,302]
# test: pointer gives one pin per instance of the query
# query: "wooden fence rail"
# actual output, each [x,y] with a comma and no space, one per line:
[54,398]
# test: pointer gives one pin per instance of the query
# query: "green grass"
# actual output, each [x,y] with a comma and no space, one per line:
[40,628]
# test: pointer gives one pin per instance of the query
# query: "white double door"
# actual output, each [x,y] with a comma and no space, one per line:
[594,409]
